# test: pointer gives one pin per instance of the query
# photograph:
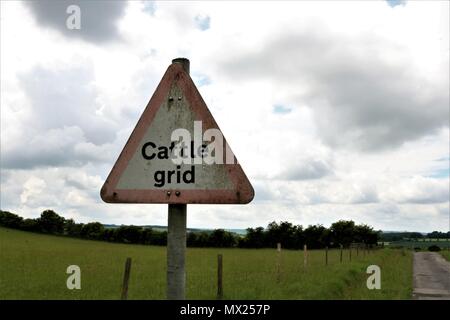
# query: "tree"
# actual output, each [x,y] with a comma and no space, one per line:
[221,238]
[289,235]
[159,238]
[30,225]
[92,230]
[254,238]
[316,236]
[342,232]
[10,220]
[365,234]
[437,235]
[129,234]
[72,229]
[51,222]
[283,233]
[192,239]
[109,234]
[299,237]
[415,235]
[203,239]
[146,235]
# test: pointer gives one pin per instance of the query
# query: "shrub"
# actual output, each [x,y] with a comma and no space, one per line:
[29,225]
[51,222]
[434,248]
[10,220]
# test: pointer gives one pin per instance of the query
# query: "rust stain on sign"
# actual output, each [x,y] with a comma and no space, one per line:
[144,172]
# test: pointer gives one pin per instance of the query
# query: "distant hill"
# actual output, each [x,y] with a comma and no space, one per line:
[389,231]
[242,232]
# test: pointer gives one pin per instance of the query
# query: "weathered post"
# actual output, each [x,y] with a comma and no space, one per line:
[357,249]
[176,252]
[305,255]
[326,255]
[126,278]
[219,277]
[350,252]
[176,238]
[278,262]
[446,240]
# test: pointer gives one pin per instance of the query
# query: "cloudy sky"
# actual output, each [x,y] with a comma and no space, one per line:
[335,110]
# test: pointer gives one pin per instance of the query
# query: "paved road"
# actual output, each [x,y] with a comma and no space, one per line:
[431,276]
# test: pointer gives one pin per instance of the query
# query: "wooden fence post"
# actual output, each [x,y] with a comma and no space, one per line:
[305,256]
[278,262]
[126,278]
[219,277]
[350,252]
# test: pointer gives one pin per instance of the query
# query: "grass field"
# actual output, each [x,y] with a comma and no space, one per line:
[445,254]
[422,244]
[33,266]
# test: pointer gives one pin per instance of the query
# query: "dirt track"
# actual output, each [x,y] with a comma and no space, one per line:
[431,276]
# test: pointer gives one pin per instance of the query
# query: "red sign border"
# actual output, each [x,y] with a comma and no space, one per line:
[241,194]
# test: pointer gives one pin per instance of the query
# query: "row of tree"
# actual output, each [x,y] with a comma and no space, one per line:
[413,236]
[314,236]
[289,235]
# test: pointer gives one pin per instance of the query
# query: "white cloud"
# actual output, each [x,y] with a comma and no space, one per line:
[418,190]
[98,19]
[366,85]
[33,187]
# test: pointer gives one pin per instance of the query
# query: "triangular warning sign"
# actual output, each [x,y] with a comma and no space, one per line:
[176,153]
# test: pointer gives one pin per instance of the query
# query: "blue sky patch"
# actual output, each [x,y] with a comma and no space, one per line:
[443,159]
[201,80]
[202,22]
[441,173]
[280,109]
[149,7]
[394,3]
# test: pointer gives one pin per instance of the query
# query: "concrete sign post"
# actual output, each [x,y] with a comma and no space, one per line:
[176,240]
[177,155]
[176,252]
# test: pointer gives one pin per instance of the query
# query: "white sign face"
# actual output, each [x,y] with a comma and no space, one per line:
[152,165]
[176,153]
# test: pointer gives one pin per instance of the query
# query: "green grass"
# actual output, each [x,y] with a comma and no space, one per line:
[442,243]
[33,266]
[445,254]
